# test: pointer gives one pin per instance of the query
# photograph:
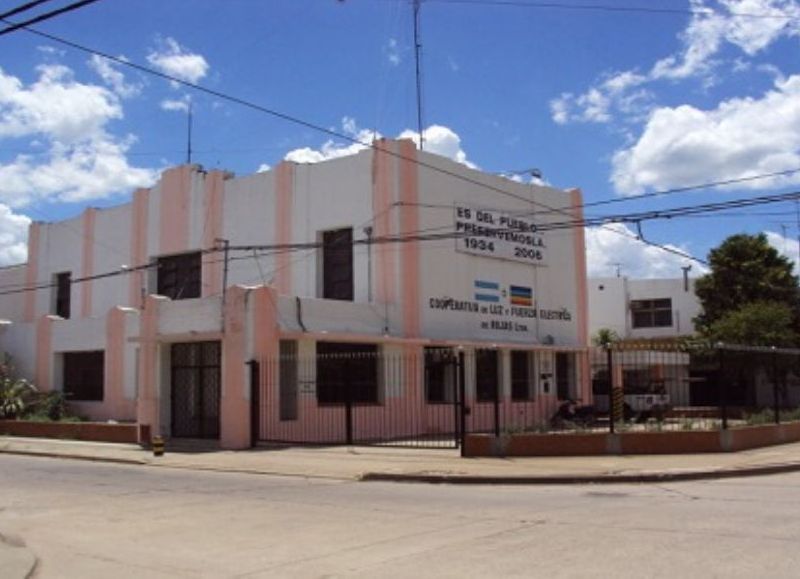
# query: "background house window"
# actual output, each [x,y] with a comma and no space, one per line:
[83,376]
[179,276]
[522,374]
[440,375]
[487,379]
[652,313]
[63,283]
[347,372]
[337,264]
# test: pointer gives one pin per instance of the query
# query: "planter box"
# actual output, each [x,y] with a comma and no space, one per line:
[666,442]
[90,431]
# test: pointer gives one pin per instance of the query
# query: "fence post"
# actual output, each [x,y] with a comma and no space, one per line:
[497,409]
[255,401]
[462,398]
[775,385]
[721,389]
[348,400]
[610,366]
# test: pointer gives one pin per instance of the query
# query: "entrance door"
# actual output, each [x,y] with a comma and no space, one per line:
[195,389]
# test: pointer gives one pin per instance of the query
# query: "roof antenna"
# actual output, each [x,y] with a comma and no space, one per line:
[189,136]
[418,63]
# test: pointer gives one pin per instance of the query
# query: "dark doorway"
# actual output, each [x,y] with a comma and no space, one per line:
[195,389]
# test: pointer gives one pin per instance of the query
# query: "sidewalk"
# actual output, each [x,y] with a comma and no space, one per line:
[423,465]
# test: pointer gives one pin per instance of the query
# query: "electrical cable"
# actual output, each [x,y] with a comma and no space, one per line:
[23,8]
[45,16]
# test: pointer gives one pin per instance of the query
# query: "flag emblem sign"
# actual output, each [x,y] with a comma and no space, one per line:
[521,296]
[487,291]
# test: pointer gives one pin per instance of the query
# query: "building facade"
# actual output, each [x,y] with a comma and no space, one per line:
[151,311]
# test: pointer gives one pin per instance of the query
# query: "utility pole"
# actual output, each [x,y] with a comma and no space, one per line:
[418,62]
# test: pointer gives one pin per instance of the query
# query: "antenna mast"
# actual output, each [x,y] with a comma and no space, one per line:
[418,63]
[189,137]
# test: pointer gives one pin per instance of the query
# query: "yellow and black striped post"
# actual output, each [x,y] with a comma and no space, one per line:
[618,403]
[158,446]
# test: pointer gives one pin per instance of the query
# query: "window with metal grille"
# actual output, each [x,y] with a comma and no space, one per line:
[83,375]
[487,378]
[652,313]
[179,276]
[63,288]
[347,373]
[337,264]
[522,374]
[565,376]
[440,375]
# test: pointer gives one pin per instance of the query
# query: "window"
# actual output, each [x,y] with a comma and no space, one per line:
[522,376]
[440,375]
[179,276]
[337,264]
[487,379]
[652,313]
[83,376]
[347,373]
[63,288]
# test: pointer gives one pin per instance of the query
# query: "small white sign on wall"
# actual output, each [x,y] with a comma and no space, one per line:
[499,235]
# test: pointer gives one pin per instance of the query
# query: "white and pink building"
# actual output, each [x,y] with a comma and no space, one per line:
[138,315]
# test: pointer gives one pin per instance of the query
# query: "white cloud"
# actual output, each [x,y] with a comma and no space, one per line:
[333,150]
[175,60]
[263,167]
[111,75]
[713,25]
[617,244]
[176,105]
[55,105]
[441,140]
[13,236]
[786,246]
[81,160]
[742,137]
[392,51]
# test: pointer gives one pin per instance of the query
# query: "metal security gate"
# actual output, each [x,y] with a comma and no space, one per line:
[195,389]
[354,394]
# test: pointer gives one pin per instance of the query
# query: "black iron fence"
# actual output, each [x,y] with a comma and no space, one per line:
[432,397]
[694,385]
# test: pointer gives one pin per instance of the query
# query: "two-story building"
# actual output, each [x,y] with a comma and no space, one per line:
[154,311]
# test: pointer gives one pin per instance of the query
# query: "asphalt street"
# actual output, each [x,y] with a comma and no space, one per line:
[89,520]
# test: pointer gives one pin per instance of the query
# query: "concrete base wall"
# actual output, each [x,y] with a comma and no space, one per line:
[90,431]
[584,444]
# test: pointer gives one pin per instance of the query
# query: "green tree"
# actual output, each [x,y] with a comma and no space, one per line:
[757,324]
[745,270]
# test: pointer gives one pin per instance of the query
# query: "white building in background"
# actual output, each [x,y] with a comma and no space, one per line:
[643,308]
[136,314]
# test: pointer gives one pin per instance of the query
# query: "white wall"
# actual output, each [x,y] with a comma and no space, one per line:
[12,298]
[609,305]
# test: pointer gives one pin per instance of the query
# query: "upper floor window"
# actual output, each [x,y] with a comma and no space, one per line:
[63,289]
[337,264]
[84,375]
[652,313]
[179,276]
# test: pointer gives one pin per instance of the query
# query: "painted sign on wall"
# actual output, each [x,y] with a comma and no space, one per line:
[500,235]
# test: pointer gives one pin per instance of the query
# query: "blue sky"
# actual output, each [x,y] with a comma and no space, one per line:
[616,103]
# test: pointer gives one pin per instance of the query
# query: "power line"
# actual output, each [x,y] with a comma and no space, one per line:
[283,116]
[23,8]
[610,8]
[46,16]
[392,239]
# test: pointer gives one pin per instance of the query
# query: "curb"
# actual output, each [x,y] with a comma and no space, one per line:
[655,477]
[83,457]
